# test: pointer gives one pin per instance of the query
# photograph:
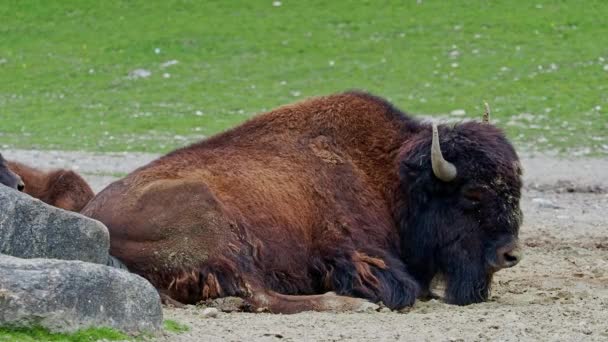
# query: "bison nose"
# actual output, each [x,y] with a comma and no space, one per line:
[20,186]
[509,256]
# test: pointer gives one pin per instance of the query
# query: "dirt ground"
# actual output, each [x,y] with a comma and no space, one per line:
[559,292]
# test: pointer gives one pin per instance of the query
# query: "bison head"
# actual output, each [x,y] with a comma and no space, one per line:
[8,177]
[460,188]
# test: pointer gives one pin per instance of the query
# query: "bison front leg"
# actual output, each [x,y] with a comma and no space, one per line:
[377,278]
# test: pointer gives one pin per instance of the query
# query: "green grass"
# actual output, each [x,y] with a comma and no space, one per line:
[64,66]
[40,334]
[175,327]
[37,334]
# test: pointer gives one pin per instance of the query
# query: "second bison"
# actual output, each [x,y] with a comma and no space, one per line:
[61,188]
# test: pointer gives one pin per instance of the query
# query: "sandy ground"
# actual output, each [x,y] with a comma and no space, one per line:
[559,292]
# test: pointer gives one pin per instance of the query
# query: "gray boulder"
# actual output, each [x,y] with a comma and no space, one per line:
[30,228]
[64,296]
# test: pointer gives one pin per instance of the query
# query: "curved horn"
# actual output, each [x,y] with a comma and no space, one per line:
[442,168]
[486,113]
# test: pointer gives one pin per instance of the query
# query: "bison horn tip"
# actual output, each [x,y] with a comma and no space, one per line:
[486,112]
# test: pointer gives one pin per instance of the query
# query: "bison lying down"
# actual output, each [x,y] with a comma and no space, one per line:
[60,188]
[342,193]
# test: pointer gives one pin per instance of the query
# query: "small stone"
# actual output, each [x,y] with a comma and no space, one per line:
[545,203]
[210,313]
[277,335]
[367,307]
[139,73]
[226,304]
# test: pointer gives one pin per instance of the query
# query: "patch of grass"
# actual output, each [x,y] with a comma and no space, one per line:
[65,66]
[175,327]
[40,334]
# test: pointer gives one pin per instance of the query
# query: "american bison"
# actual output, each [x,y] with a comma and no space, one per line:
[8,177]
[342,194]
[64,189]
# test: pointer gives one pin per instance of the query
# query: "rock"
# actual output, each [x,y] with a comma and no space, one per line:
[114,262]
[545,203]
[64,296]
[367,307]
[30,228]
[210,312]
[226,304]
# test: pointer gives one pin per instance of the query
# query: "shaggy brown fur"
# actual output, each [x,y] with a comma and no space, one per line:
[64,189]
[294,203]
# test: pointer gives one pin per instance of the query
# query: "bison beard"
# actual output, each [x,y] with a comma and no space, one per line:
[338,193]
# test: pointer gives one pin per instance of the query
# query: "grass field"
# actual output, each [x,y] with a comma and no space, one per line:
[42,335]
[68,76]
[38,334]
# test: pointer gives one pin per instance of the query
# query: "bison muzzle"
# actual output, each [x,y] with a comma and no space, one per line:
[8,177]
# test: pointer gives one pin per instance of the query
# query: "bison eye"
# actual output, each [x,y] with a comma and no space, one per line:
[473,196]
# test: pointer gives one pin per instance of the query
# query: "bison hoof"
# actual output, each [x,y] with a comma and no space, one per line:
[336,303]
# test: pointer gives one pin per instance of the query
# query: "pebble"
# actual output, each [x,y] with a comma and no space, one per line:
[139,73]
[545,203]
[367,307]
[210,313]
